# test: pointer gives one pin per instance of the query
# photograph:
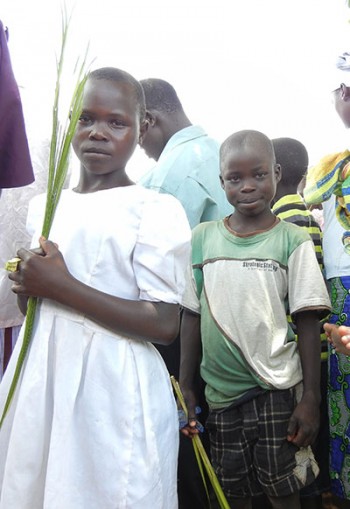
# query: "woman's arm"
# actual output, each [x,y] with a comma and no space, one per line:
[48,277]
[339,337]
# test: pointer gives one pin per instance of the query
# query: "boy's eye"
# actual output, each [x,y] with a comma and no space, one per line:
[234,178]
[117,122]
[261,174]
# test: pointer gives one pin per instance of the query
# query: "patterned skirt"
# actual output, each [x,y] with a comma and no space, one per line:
[339,394]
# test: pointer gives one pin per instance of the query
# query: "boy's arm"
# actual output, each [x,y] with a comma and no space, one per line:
[189,365]
[304,422]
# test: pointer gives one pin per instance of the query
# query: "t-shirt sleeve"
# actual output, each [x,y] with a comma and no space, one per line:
[162,251]
[307,288]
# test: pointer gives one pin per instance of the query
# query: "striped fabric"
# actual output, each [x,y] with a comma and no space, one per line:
[292,209]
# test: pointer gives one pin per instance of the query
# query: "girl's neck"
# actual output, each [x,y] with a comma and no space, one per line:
[248,228]
[92,184]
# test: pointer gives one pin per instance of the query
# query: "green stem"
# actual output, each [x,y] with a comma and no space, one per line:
[32,303]
[201,453]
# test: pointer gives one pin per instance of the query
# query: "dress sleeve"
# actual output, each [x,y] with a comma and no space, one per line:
[162,251]
[35,217]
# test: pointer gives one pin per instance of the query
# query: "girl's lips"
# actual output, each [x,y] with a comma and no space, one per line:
[96,150]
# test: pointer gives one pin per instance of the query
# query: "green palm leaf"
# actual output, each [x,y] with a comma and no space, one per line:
[201,455]
[61,139]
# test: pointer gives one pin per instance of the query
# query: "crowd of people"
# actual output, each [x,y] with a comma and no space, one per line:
[214,268]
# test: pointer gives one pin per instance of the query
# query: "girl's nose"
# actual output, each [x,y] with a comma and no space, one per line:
[97,132]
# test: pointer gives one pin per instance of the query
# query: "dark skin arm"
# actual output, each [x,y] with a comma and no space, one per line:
[304,422]
[48,277]
[191,350]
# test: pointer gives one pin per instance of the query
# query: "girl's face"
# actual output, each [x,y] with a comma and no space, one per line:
[109,127]
[342,103]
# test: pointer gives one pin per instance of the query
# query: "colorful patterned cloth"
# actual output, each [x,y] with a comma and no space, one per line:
[332,176]
[339,394]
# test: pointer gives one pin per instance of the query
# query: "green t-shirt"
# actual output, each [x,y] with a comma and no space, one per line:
[242,286]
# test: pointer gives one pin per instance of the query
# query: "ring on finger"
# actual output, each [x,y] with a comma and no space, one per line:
[13,264]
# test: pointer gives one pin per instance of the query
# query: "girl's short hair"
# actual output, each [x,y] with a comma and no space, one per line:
[120,76]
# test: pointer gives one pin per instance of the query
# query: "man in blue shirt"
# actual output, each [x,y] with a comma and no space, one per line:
[187,158]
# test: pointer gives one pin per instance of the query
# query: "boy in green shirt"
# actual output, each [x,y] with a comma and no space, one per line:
[247,270]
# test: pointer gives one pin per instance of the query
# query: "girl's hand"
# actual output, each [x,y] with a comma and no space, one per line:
[39,271]
[338,337]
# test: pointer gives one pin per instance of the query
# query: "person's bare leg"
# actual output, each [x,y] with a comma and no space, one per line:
[290,502]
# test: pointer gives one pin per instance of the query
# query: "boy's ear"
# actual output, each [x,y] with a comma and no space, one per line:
[143,131]
[222,181]
[278,172]
[150,118]
[345,92]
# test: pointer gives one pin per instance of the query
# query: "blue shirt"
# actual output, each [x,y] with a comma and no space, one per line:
[188,168]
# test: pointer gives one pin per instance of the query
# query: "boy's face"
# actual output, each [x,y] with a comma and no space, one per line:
[249,177]
[109,126]
[342,103]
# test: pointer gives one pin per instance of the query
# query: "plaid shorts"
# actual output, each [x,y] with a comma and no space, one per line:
[250,452]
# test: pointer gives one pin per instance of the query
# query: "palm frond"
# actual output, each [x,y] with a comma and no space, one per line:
[61,139]
[201,455]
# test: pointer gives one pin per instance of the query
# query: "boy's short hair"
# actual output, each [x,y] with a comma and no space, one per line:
[120,76]
[293,158]
[245,137]
[160,96]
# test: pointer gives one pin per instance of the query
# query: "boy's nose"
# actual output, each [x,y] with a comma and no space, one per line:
[248,186]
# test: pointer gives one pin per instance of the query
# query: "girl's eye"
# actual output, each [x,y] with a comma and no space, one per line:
[84,119]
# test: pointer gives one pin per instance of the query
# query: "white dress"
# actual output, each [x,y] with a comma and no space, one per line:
[93,424]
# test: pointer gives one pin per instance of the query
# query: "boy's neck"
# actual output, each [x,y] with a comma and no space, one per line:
[251,225]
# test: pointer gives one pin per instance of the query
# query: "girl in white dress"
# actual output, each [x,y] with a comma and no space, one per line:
[93,424]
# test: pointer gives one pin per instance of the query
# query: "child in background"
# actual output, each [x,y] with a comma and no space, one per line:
[94,422]
[263,388]
[288,205]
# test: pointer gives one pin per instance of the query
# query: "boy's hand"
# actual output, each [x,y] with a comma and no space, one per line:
[191,428]
[304,423]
